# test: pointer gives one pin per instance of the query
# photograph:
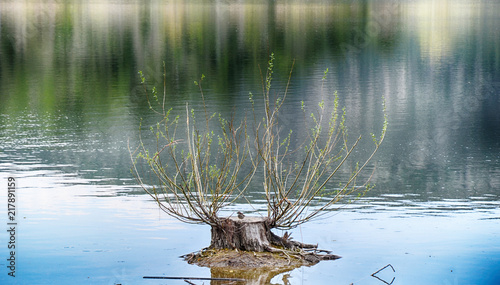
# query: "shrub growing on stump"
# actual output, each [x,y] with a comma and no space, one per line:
[196,173]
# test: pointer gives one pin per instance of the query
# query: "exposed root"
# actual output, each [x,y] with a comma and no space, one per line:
[308,252]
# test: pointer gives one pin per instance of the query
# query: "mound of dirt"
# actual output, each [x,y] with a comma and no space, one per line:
[244,259]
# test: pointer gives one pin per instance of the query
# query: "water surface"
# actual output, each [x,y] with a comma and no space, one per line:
[70,102]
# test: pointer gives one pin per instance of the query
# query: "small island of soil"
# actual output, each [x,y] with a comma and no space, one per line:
[247,243]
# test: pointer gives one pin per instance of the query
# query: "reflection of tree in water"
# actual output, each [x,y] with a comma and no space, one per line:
[253,276]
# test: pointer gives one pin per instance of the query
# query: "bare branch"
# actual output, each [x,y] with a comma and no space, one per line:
[193,180]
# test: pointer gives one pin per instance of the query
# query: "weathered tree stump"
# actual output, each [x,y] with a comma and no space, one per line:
[247,233]
[234,240]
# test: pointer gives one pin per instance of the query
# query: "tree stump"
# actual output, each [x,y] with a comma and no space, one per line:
[247,242]
[247,233]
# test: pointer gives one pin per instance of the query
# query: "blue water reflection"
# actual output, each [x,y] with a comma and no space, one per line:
[71,231]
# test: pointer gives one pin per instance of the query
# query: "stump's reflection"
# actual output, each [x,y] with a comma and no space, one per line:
[252,276]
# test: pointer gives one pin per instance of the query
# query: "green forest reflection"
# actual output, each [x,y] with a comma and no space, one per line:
[437,63]
[67,56]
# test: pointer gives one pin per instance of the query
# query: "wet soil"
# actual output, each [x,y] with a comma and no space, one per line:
[244,259]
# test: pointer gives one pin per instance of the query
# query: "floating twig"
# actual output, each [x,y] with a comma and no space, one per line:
[388,265]
[375,274]
[193,278]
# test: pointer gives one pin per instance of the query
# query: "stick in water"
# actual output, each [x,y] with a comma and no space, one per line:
[193,278]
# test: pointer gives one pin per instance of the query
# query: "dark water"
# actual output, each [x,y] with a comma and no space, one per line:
[70,101]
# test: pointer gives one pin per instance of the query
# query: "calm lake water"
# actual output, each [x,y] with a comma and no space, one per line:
[70,102]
